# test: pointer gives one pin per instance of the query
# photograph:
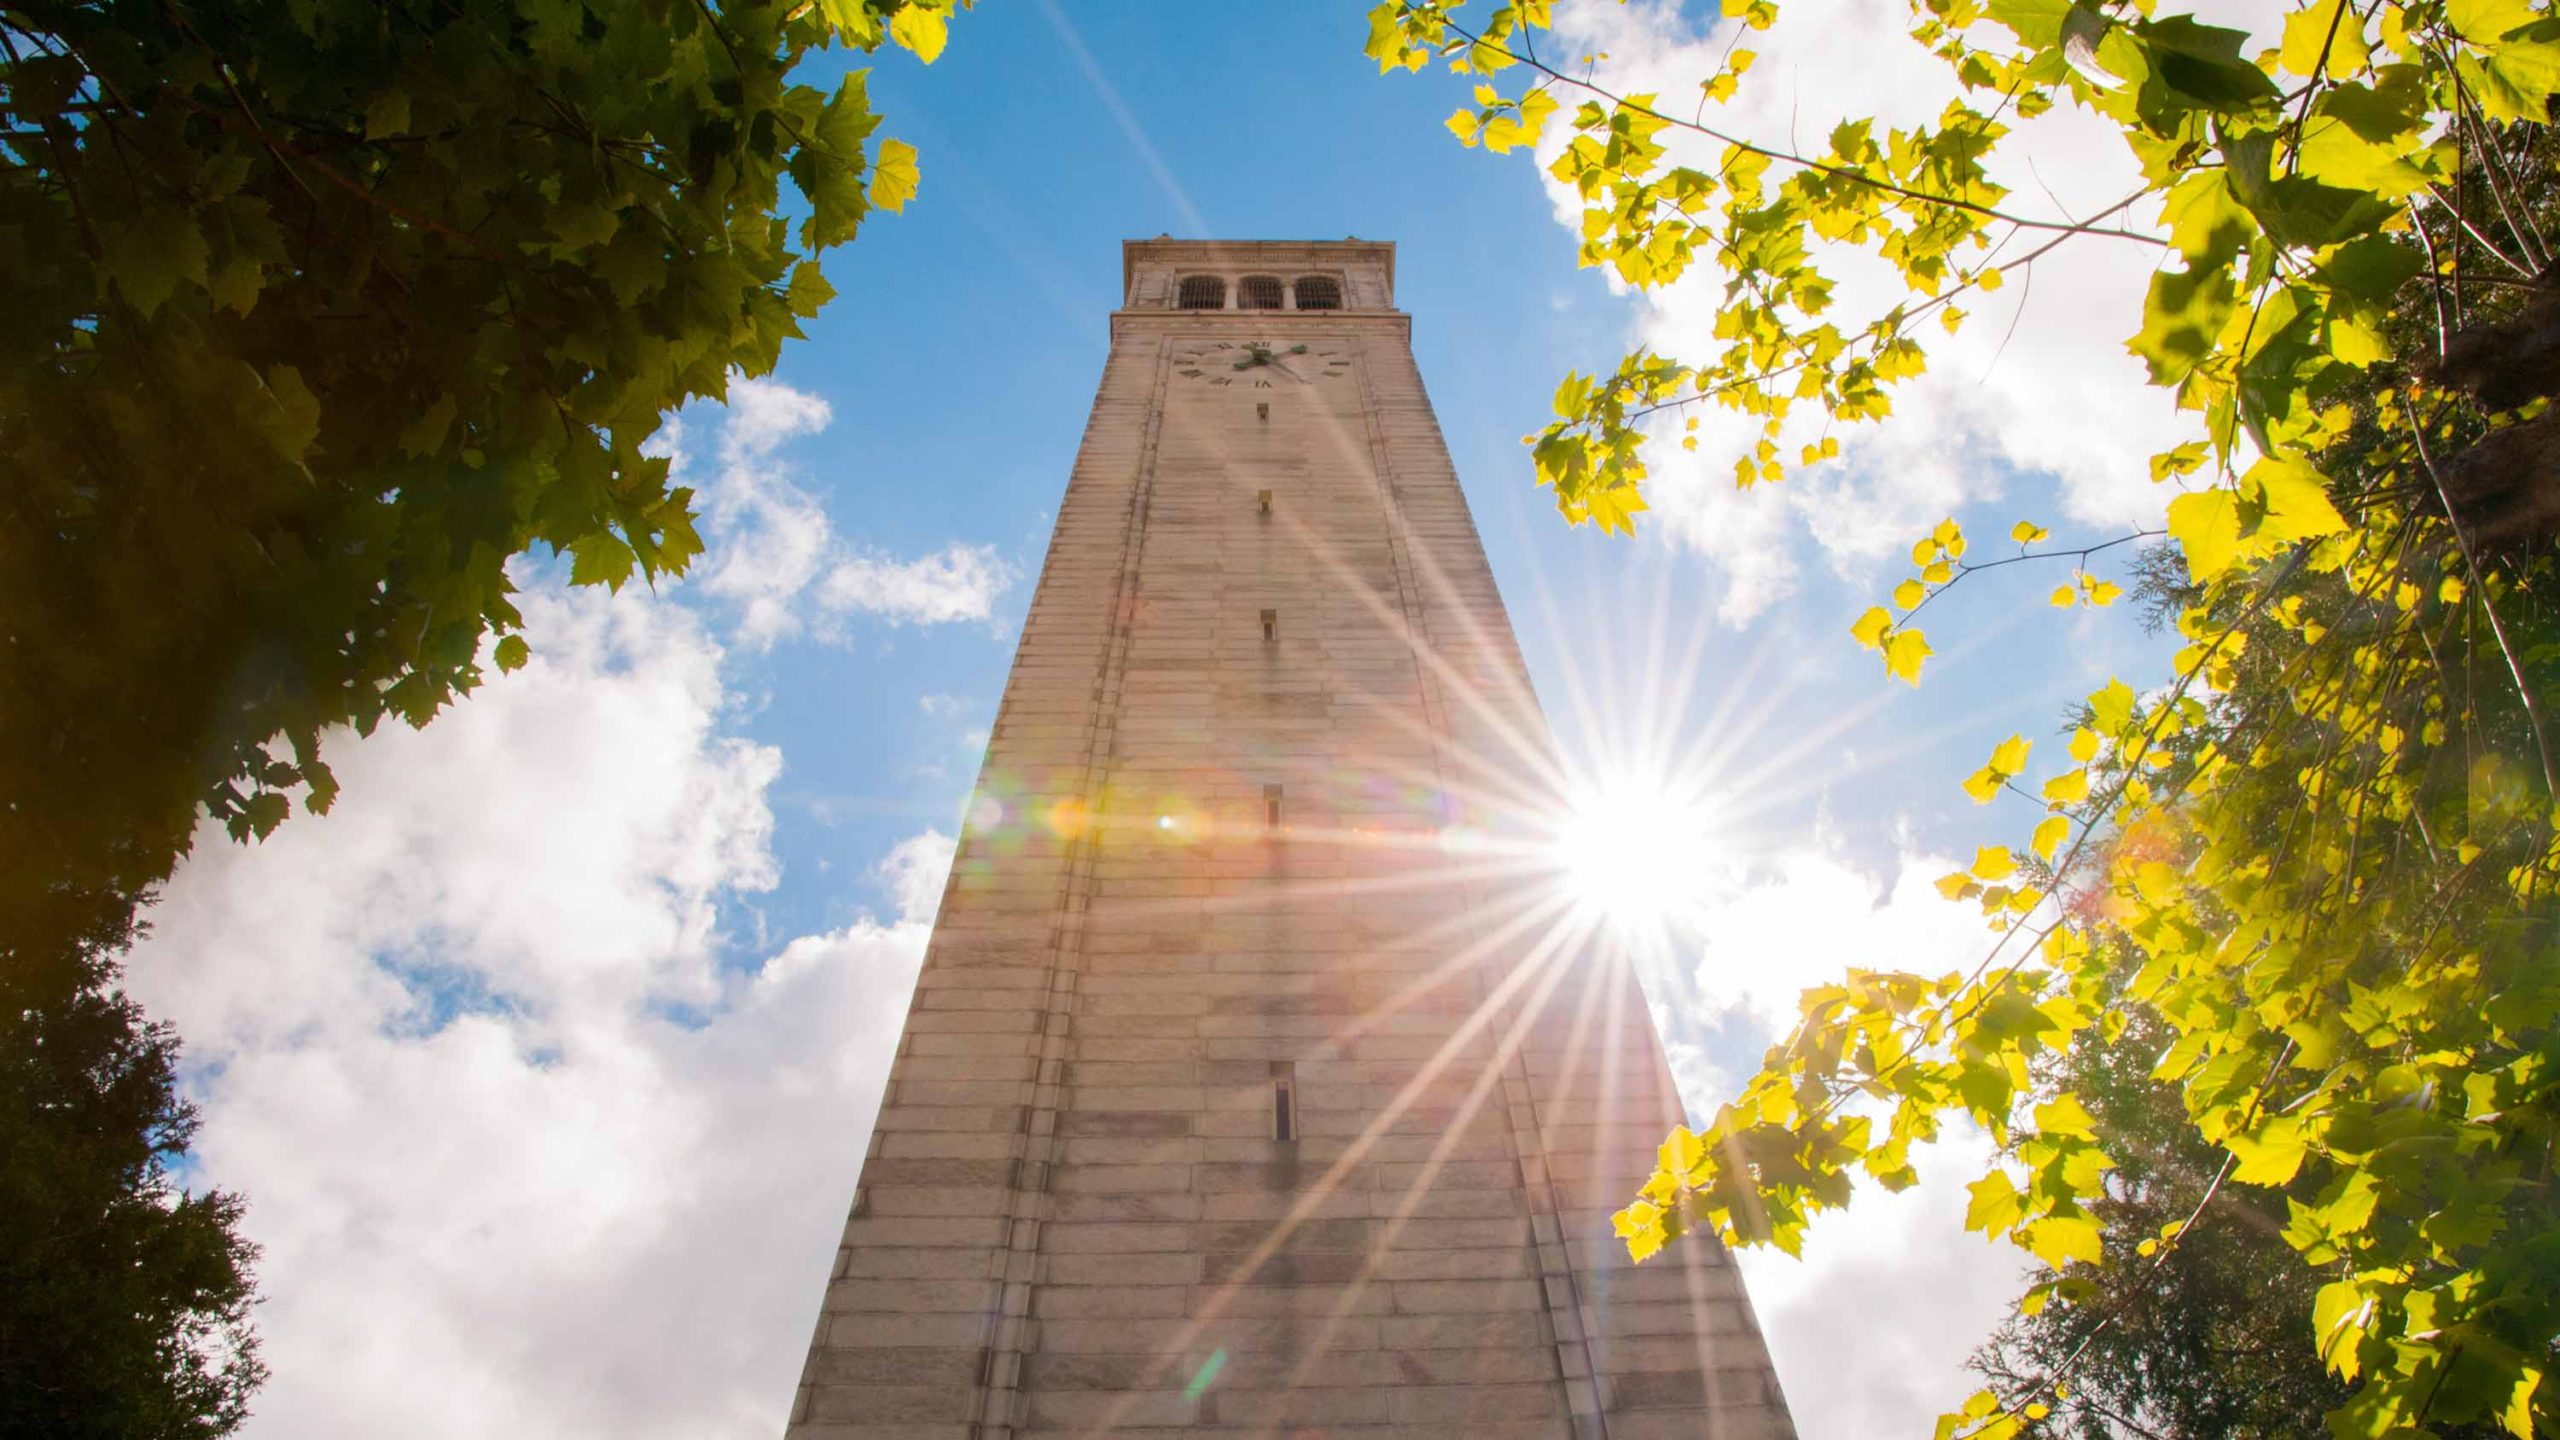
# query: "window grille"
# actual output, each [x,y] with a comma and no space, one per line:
[1260,292]
[1319,292]
[1202,292]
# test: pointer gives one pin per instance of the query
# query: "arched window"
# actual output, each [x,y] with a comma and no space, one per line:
[1202,292]
[1260,292]
[1319,292]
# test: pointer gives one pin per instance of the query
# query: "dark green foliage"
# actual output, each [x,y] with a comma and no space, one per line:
[314,314]
[2211,1343]
[124,1301]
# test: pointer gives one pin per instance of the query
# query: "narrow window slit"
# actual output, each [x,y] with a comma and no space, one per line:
[1284,1100]
[1262,501]
[1270,626]
[1271,806]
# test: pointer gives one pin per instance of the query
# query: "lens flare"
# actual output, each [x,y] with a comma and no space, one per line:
[1636,854]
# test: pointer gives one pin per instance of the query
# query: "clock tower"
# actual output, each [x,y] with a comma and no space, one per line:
[1260,1081]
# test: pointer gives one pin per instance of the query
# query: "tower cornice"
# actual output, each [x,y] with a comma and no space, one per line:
[1258,254]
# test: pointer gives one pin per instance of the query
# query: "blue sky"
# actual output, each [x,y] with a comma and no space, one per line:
[551,1053]
[960,359]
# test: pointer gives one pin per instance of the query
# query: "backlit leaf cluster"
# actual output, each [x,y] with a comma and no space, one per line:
[2324,854]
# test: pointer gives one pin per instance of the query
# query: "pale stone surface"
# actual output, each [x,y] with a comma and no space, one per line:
[1251,819]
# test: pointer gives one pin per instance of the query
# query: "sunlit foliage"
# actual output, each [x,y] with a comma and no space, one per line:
[2330,839]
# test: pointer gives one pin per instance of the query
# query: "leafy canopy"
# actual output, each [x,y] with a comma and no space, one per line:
[315,313]
[2329,841]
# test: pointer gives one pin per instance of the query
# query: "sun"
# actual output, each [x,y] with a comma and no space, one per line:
[1636,854]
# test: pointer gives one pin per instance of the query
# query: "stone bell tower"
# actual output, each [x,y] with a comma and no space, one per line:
[1259,1081]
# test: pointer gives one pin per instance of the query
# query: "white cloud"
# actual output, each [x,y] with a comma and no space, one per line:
[959,582]
[762,414]
[525,1156]
[775,558]
[1870,1329]
[2035,402]
[914,872]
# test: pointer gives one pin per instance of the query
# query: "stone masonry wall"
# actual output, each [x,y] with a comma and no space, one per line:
[1076,1216]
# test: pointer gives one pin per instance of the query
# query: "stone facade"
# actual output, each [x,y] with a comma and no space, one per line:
[1256,1083]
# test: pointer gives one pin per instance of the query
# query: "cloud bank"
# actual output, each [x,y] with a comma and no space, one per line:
[528,1151]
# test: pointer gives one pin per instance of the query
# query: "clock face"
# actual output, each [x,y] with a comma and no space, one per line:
[1258,364]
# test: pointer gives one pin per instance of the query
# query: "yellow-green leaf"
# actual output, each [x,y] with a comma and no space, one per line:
[2065,1115]
[2297,501]
[2324,39]
[2206,525]
[1869,631]
[1995,1205]
[920,30]
[2271,1154]
[2057,1240]
[894,176]
[2011,755]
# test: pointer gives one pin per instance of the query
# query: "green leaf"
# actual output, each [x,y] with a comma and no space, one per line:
[2515,82]
[290,420]
[149,257]
[2037,23]
[2340,1315]
[511,652]
[894,176]
[424,436]
[2182,321]
[387,115]
[2370,271]
[600,558]
[2202,64]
